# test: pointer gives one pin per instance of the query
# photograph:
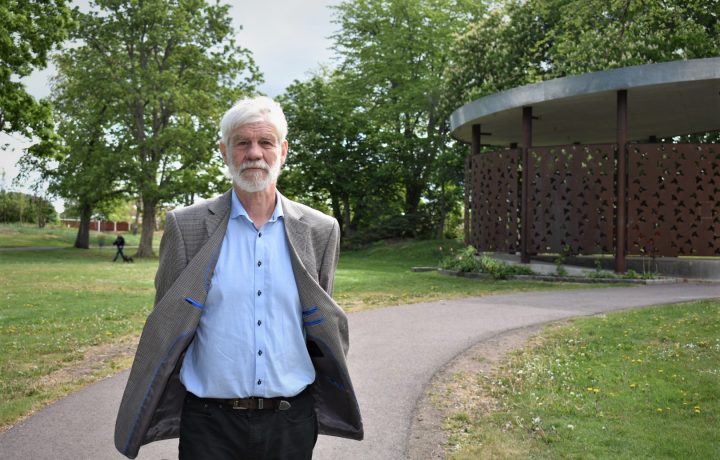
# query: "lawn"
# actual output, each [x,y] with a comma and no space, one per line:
[381,275]
[63,308]
[630,385]
[55,307]
[26,235]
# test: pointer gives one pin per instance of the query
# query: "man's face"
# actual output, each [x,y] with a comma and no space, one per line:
[254,156]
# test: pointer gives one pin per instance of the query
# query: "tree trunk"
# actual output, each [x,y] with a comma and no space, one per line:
[346,214]
[441,225]
[148,227]
[82,241]
[413,193]
[136,225]
[337,214]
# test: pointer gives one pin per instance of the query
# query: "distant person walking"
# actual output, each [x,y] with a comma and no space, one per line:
[120,243]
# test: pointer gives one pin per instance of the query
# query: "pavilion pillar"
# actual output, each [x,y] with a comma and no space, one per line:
[525,207]
[621,209]
[469,186]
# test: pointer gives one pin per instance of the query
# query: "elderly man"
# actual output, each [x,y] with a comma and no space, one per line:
[243,356]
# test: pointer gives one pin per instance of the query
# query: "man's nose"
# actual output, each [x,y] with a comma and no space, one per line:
[254,151]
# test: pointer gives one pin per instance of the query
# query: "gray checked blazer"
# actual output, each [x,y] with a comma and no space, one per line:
[151,405]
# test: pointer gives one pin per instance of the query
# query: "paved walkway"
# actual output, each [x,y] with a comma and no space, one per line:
[393,354]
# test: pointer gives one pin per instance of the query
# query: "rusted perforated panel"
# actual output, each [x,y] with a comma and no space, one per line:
[492,208]
[673,193]
[571,199]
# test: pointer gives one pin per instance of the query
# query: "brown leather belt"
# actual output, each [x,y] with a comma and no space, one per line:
[253,403]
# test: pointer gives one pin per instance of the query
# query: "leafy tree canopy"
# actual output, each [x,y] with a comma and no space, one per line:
[30,30]
[144,91]
[521,42]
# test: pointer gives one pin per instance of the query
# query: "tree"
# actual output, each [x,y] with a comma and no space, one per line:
[168,69]
[523,42]
[78,161]
[397,51]
[332,158]
[30,30]
[21,207]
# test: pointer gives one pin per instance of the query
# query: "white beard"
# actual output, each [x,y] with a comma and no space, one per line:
[255,181]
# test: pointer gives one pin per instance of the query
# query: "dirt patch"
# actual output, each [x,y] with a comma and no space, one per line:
[447,394]
[98,362]
[94,360]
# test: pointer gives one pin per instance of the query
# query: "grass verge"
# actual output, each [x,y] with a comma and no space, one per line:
[637,384]
[69,317]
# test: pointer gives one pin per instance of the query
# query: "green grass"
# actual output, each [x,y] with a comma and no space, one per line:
[631,385]
[380,276]
[54,306]
[60,307]
[28,235]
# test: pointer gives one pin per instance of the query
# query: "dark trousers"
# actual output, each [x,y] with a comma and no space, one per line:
[119,253]
[213,431]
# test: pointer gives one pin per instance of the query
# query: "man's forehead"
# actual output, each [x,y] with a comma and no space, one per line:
[256,129]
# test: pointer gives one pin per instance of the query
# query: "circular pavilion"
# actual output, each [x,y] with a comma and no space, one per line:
[579,168]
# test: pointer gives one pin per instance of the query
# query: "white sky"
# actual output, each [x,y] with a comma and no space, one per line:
[288,39]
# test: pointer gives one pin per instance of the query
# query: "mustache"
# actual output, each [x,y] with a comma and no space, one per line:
[259,164]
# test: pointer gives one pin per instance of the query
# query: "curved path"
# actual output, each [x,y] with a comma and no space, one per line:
[393,354]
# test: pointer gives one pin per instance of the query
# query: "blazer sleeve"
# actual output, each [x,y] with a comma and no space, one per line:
[328,265]
[173,257]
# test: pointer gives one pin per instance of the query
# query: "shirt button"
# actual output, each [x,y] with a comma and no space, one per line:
[259,234]
[260,353]
[259,293]
[259,322]
[259,263]
[259,381]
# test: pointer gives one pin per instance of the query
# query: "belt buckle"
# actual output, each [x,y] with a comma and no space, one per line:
[236,405]
[260,403]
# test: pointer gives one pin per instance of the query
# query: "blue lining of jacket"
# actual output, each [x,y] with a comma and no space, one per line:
[314,322]
[309,311]
[152,381]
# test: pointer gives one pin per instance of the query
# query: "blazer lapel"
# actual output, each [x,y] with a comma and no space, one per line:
[297,232]
[216,211]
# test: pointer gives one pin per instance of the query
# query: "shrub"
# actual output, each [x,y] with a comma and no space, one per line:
[466,261]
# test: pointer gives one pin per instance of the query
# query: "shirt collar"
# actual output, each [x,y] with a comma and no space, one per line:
[237,209]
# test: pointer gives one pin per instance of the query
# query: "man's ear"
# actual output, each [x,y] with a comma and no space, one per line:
[223,151]
[283,155]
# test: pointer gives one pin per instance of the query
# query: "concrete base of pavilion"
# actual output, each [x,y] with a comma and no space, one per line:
[707,269]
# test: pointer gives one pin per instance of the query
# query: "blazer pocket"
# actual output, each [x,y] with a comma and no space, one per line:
[194,303]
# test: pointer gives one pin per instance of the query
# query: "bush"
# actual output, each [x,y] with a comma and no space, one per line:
[466,261]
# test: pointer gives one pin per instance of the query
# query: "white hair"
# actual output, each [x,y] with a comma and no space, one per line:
[253,110]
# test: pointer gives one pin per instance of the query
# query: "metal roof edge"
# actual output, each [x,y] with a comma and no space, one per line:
[630,77]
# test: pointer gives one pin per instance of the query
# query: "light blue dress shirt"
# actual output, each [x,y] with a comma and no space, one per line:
[250,340]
